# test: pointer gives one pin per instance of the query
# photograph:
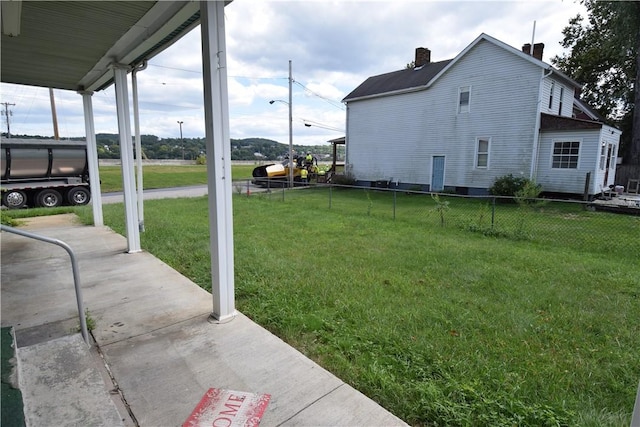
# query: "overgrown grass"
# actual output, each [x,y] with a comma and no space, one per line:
[440,325]
[163,176]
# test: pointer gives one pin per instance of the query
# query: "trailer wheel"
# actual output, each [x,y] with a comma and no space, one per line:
[48,198]
[14,199]
[78,196]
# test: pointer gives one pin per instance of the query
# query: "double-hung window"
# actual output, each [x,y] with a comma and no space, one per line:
[561,96]
[482,152]
[464,99]
[565,154]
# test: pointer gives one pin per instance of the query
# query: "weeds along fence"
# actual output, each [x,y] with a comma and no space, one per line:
[567,223]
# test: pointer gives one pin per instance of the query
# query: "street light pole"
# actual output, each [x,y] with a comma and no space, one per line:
[290,104]
[290,130]
[181,140]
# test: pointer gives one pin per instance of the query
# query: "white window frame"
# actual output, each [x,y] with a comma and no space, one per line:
[553,84]
[464,108]
[566,155]
[478,153]
[560,96]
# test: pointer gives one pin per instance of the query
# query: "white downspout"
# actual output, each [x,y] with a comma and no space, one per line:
[536,131]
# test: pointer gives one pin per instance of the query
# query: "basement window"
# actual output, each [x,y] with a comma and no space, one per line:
[565,155]
[464,96]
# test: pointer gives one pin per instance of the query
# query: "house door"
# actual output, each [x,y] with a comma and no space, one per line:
[437,173]
[608,165]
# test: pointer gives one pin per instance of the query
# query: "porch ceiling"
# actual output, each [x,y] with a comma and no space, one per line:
[71,44]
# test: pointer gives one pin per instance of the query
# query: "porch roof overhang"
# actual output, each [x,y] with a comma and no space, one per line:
[72,44]
[550,122]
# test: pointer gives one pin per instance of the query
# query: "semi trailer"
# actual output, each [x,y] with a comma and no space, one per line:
[43,173]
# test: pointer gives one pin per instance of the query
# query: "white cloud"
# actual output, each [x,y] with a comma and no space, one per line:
[333,46]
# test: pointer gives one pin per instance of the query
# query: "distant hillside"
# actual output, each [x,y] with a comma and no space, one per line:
[189,149]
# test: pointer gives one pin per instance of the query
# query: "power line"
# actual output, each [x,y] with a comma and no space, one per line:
[330,101]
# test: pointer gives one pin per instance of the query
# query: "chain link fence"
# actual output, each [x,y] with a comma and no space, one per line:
[569,223]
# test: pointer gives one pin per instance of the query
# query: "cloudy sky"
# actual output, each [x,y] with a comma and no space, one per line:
[333,45]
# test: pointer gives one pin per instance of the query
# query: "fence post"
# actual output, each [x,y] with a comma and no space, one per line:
[493,211]
[394,203]
[587,184]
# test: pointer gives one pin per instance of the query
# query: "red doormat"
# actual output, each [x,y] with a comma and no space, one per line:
[227,408]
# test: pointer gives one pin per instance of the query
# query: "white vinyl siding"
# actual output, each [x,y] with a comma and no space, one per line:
[396,137]
[571,180]
[558,98]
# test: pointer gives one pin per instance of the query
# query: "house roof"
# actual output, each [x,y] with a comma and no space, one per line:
[551,122]
[583,111]
[73,44]
[422,78]
[398,80]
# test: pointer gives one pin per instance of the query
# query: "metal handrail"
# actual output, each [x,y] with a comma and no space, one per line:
[74,267]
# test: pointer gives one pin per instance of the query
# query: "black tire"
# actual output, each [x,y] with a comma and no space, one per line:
[48,198]
[14,199]
[78,196]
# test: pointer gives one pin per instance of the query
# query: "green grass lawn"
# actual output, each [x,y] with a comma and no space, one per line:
[162,176]
[532,322]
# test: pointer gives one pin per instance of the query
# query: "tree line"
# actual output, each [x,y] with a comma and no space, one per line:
[108,146]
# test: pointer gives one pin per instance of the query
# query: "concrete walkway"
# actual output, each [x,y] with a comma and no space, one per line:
[155,353]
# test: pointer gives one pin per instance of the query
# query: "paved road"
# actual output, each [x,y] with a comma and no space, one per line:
[172,193]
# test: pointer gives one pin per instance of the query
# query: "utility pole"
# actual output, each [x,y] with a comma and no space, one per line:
[181,140]
[7,113]
[290,130]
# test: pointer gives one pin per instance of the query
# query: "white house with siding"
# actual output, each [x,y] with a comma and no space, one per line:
[491,111]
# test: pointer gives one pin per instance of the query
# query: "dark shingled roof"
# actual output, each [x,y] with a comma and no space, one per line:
[398,80]
[550,122]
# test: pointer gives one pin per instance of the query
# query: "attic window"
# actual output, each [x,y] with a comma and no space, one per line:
[464,95]
[560,106]
[551,95]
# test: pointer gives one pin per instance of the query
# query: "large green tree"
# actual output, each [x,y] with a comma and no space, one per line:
[604,56]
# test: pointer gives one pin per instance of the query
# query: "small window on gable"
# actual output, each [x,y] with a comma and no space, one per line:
[482,153]
[464,99]
[551,95]
[561,95]
[565,155]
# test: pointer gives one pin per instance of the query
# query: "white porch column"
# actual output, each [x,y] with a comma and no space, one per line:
[216,113]
[126,156]
[92,158]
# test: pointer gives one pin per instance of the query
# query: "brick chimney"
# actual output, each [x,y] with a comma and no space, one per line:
[538,48]
[423,57]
